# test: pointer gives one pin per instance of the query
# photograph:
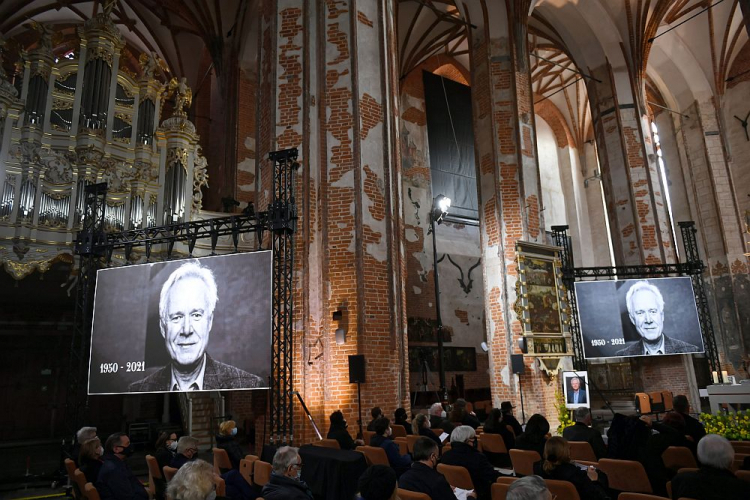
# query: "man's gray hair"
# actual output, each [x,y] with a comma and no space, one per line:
[85,433]
[643,286]
[284,457]
[185,443]
[436,409]
[582,413]
[194,481]
[189,270]
[715,451]
[462,434]
[528,488]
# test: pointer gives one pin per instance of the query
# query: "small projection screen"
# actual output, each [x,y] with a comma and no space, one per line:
[195,324]
[658,318]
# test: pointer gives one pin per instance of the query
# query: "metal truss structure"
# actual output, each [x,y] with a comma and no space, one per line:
[693,267]
[94,248]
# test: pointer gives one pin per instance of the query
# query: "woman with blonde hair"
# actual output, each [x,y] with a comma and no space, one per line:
[226,440]
[421,427]
[194,481]
[590,482]
[90,459]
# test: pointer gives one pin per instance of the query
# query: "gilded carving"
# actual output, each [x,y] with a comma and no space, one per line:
[100,52]
[177,155]
[200,179]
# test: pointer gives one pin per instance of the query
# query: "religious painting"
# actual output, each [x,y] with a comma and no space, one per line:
[425,330]
[457,359]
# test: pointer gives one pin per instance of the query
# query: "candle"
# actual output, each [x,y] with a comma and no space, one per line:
[716,377]
[724,377]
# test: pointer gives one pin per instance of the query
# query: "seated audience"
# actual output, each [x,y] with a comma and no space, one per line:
[693,427]
[714,480]
[376,413]
[166,447]
[90,459]
[421,427]
[286,477]
[494,425]
[590,483]
[378,482]
[400,419]
[83,435]
[226,439]
[423,476]
[508,419]
[338,432]
[528,488]
[438,418]
[627,435]
[535,436]
[187,449]
[382,438]
[194,481]
[582,431]
[463,452]
[116,481]
[467,417]
[671,432]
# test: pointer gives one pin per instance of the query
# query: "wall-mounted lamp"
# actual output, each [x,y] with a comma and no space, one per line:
[485,348]
[340,334]
[597,175]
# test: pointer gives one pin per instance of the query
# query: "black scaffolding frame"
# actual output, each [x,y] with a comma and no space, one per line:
[95,248]
[692,266]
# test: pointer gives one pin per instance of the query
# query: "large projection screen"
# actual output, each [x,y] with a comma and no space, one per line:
[154,329]
[609,329]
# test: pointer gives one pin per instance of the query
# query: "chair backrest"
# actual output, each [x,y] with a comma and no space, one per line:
[581,450]
[669,489]
[587,463]
[687,469]
[523,461]
[246,470]
[506,479]
[374,455]
[221,460]
[456,476]
[328,443]
[169,472]
[410,440]
[398,431]
[626,475]
[657,402]
[642,403]
[79,481]
[638,496]
[668,400]
[563,490]
[678,457]
[500,491]
[262,472]
[367,436]
[412,495]
[153,468]
[403,445]
[91,492]
[741,446]
[511,429]
[744,475]
[221,486]
[70,467]
[492,443]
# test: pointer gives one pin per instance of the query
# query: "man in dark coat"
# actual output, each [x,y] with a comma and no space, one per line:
[422,477]
[438,418]
[116,481]
[582,431]
[382,438]
[693,427]
[338,432]
[187,449]
[508,419]
[463,452]
[714,480]
[285,482]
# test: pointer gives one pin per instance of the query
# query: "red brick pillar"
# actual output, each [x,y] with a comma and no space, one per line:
[328,87]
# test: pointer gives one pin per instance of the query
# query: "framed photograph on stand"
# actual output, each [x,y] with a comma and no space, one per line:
[576,389]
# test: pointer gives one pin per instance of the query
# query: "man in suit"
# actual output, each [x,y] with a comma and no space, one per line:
[693,427]
[186,313]
[576,394]
[646,310]
[422,477]
[582,431]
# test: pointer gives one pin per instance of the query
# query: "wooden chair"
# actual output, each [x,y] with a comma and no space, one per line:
[412,495]
[669,489]
[246,470]
[70,468]
[638,496]
[678,457]
[328,443]
[398,431]
[626,475]
[221,486]
[657,402]
[221,461]
[743,474]
[374,455]
[403,445]
[367,436]
[587,463]
[154,475]
[687,469]
[499,491]
[668,400]
[739,459]
[79,483]
[581,450]
[261,473]
[169,472]
[410,440]
[91,492]
[492,443]
[523,461]
[456,476]
[563,490]
[506,479]
[741,446]
[642,403]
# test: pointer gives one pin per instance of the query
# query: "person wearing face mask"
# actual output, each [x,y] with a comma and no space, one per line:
[116,481]
[422,476]
[226,439]
[90,459]
[382,438]
[439,418]
[166,447]
[421,426]
[464,452]
[286,477]
[187,449]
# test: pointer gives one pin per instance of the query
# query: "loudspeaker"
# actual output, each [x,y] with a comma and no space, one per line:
[357,369]
[516,363]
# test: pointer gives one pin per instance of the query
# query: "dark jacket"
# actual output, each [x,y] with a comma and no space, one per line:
[671,346]
[710,484]
[428,433]
[627,436]
[532,443]
[179,460]
[371,425]
[470,420]
[651,459]
[508,437]
[117,482]
[217,375]
[509,419]
[582,432]
[442,423]
[424,479]
[587,489]
[480,469]
[163,457]
[233,449]
[286,488]
[90,469]
[693,428]
[406,424]
[341,435]
[399,462]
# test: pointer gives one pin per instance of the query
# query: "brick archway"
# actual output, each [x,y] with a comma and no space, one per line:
[547,111]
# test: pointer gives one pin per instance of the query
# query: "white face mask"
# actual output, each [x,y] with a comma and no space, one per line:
[173,446]
[234,431]
[100,451]
[211,496]
[443,414]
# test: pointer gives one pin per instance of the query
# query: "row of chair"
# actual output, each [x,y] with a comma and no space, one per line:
[647,403]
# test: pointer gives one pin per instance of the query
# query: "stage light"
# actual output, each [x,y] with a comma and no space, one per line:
[440,206]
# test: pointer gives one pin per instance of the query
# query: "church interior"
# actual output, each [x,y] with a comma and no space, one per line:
[603,124]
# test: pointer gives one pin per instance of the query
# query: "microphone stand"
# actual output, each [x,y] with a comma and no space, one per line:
[307,412]
[586,380]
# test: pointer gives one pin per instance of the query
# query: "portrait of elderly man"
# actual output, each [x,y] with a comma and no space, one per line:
[646,311]
[576,392]
[186,313]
